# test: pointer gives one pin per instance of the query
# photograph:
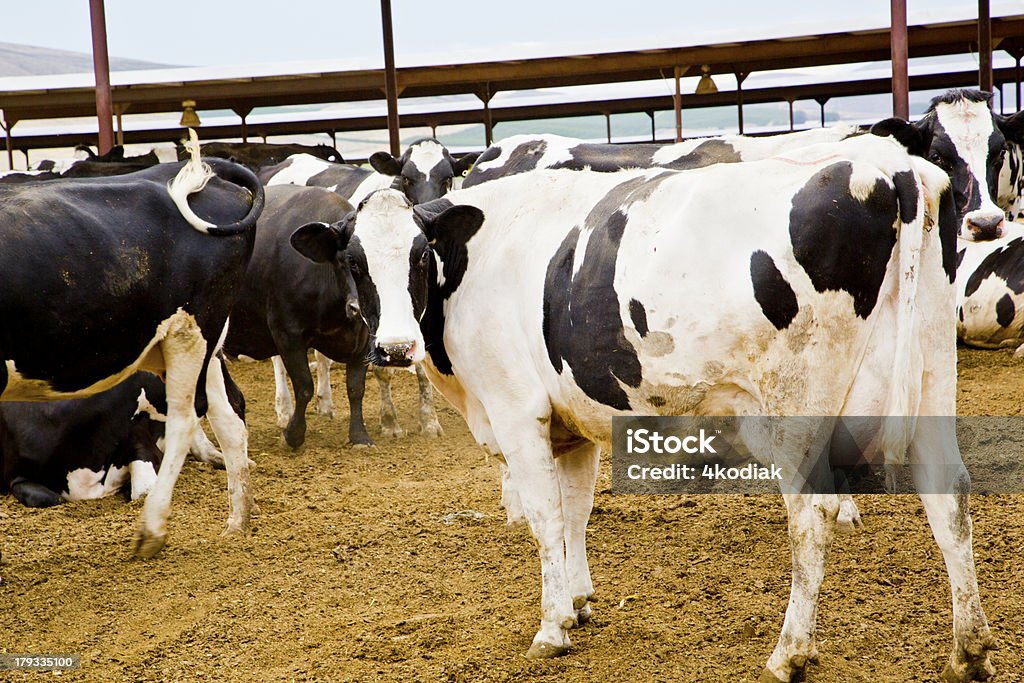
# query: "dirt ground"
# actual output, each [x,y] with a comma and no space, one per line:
[352,572]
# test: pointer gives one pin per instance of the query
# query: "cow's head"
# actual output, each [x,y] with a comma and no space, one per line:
[426,170]
[328,153]
[389,256]
[960,134]
[332,244]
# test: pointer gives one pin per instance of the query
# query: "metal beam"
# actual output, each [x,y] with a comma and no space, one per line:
[101,67]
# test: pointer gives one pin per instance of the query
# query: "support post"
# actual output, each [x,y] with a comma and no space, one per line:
[898,50]
[101,68]
[740,77]
[653,135]
[821,102]
[390,78]
[677,104]
[985,46]
[790,101]
[608,125]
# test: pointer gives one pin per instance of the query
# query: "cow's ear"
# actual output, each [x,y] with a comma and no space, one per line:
[464,163]
[455,224]
[1012,127]
[386,164]
[912,136]
[317,241]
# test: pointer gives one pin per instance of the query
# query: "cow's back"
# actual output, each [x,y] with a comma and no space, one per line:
[96,265]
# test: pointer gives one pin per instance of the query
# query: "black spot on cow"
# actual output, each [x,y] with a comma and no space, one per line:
[449,229]
[960,258]
[960,313]
[906,194]
[1006,263]
[949,227]
[1005,311]
[706,154]
[606,158]
[656,401]
[638,315]
[842,242]
[523,158]
[582,325]
[775,295]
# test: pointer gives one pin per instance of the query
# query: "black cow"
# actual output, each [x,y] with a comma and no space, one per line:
[290,304]
[112,163]
[95,446]
[116,155]
[424,172]
[257,155]
[102,277]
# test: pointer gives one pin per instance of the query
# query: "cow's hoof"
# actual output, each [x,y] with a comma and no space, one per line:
[294,439]
[234,530]
[394,432]
[328,412]
[546,651]
[360,440]
[148,545]
[432,429]
[768,677]
[583,615]
[973,663]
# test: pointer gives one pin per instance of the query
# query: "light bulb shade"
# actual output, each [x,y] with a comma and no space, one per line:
[706,86]
[189,118]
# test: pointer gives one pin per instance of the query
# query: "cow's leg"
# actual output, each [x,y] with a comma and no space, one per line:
[297,366]
[183,350]
[535,475]
[233,438]
[848,520]
[283,404]
[33,495]
[577,477]
[944,487]
[428,418]
[355,385]
[324,395]
[388,415]
[812,521]
[203,450]
[510,499]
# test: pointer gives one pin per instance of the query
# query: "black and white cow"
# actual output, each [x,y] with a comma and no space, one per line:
[523,153]
[1010,193]
[975,146]
[825,289]
[92,447]
[103,277]
[424,172]
[257,155]
[112,163]
[289,305]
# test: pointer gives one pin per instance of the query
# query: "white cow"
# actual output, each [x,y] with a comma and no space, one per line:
[545,304]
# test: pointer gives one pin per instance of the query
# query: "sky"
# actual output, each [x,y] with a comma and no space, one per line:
[218,32]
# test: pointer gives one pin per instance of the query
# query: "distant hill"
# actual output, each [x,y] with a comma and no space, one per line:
[28,60]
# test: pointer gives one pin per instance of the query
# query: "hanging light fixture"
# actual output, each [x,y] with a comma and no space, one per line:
[189,118]
[705,86]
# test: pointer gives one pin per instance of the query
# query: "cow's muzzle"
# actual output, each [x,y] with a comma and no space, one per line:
[394,354]
[984,228]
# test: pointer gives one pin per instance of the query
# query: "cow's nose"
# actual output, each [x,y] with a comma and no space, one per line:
[396,353]
[985,227]
[352,310]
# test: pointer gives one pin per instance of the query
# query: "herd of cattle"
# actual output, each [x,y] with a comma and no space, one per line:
[564,283]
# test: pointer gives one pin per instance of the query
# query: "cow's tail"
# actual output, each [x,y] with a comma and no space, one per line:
[194,176]
[903,401]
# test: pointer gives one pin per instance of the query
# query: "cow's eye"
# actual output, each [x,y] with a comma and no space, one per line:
[406,181]
[425,257]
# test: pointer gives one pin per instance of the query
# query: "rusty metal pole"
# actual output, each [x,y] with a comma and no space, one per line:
[985,46]
[740,77]
[390,77]
[899,51]
[101,67]
[677,104]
